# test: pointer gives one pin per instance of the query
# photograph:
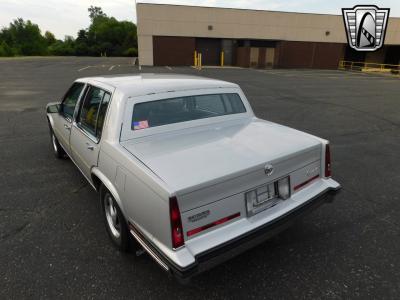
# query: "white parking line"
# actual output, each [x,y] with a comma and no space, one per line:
[169,68]
[112,67]
[84,68]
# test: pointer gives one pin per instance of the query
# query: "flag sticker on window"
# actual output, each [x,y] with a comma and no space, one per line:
[140,125]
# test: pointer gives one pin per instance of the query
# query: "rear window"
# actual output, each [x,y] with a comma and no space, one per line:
[182,109]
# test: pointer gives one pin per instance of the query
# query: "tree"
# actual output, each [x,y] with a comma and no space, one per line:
[81,43]
[63,48]
[113,37]
[5,50]
[82,36]
[50,38]
[24,38]
[95,12]
[105,35]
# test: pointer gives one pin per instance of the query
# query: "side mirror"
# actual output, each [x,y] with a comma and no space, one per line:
[53,108]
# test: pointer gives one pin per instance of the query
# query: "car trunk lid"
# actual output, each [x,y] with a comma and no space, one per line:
[207,163]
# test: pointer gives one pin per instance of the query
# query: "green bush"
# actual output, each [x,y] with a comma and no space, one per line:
[132,52]
[5,50]
[61,48]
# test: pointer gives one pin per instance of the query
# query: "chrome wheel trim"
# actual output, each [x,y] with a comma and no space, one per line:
[54,142]
[112,217]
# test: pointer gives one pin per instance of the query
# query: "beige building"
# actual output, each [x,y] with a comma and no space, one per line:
[169,35]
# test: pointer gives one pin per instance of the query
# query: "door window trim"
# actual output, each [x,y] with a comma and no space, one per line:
[75,122]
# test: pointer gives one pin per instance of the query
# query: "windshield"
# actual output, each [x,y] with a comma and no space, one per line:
[182,109]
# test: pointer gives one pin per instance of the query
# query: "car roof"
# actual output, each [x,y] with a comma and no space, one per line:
[147,83]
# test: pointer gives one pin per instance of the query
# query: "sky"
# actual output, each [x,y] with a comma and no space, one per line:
[66,17]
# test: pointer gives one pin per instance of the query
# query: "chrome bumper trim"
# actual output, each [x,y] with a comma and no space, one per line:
[141,241]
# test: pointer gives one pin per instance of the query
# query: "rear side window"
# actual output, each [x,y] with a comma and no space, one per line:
[182,109]
[93,111]
[102,114]
[71,98]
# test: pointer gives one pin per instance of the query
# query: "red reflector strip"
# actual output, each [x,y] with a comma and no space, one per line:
[215,223]
[305,182]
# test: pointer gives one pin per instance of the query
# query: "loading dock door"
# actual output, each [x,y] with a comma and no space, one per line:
[254,57]
[173,51]
[210,50]
[269,57]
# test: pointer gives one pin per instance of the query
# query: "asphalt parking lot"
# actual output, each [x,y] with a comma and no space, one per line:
[53,242]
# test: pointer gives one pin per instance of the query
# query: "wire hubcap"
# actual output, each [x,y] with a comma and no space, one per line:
[112,217]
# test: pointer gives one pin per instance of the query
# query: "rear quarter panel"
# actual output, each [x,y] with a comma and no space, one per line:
[144,197]
[141,195]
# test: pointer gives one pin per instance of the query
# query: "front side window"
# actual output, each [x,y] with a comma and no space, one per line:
[70,99]
[92,113]
[182,109]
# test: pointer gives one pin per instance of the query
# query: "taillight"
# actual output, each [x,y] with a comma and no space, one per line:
[328,171]
[176,223]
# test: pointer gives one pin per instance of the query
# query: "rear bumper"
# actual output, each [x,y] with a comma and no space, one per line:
[217,255]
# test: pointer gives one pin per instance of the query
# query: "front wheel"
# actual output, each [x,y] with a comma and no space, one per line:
[116,225]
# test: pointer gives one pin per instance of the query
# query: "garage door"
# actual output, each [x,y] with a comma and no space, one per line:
[173,51]
[210,50]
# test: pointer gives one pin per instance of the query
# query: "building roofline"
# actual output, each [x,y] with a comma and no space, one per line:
[240,9]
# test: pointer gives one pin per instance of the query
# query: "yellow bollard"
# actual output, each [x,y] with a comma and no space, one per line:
[195,59]
[201,61]
[222,58]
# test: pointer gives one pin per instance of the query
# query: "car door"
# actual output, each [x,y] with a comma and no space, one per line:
[87,128]
[62,122]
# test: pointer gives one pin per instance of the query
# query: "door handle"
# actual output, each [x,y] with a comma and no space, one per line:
[67,127]
[89,146]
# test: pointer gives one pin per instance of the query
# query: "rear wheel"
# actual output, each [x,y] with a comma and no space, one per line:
[116,225]
[57,149]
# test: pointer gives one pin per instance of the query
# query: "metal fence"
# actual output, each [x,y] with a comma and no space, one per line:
[369,67]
